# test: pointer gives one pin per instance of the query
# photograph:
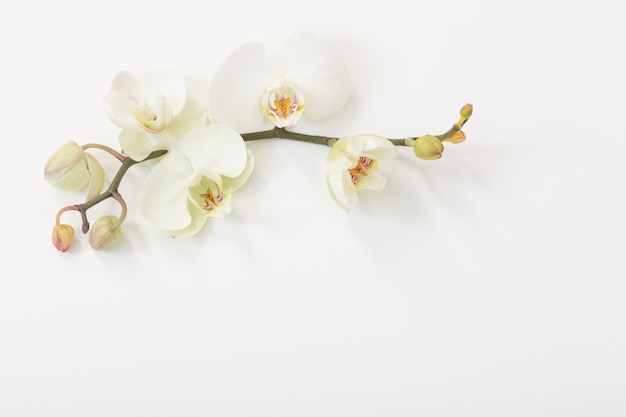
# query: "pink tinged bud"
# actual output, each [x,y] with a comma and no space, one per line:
[104,232]
[466,111]
[62,236]
[67,168]
[458,137]
[428,147]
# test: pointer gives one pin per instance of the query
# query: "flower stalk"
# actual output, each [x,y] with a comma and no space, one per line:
[282,133]
[105,148]
[164,112]
[111,192]
[62,237]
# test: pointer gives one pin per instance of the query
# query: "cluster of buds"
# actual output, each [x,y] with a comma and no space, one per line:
[103,233]
[71,168]
[430,147]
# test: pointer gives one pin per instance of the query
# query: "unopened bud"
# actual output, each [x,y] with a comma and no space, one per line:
[458,137]
[104,232]
[67,168]
[466,111]
[428,147]
[62,236]
[97,176]
[409,142]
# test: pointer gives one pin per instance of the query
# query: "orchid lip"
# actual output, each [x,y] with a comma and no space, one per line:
[205,193]
[283,104]
[361,169]
[153,117]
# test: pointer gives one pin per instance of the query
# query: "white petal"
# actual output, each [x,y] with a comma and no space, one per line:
[317,71]
[167,84]
[349,189]
[237,88]
[197,222]
[225,207]
[341,192]
[372,181]
[163,140]
[177,164]
[274,37]
[377,147]
[197,92]
[239,181]
[216,147]
[163,200]
[195,112]
[116,100]
[136,144]
[275,61]
[122,81]
[115,105]
[344,153]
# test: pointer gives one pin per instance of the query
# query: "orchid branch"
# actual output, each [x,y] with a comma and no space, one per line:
[282,133]
[63,234]
[106,229]
[112,191]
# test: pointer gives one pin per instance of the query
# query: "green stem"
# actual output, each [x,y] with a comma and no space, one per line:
[117,197]
[275,133]
[63,210]
[281,133]
[451,132]
[112,191]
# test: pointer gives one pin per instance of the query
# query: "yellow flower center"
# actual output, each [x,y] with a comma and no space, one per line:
[211,200]
[361,169]
[283,104]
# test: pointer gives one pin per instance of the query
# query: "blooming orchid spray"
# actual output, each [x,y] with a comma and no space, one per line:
[261,91]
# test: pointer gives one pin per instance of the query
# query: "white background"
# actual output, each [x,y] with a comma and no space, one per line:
[488,283]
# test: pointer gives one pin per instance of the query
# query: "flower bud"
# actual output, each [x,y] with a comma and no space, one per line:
[104,232]
[62,236]
[466,111]
[428,147]
[97,176]
[458,137]
[67,168]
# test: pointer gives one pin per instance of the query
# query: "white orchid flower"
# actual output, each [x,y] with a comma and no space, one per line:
[353,165]
[153,110]
[260,83]
[195,179]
